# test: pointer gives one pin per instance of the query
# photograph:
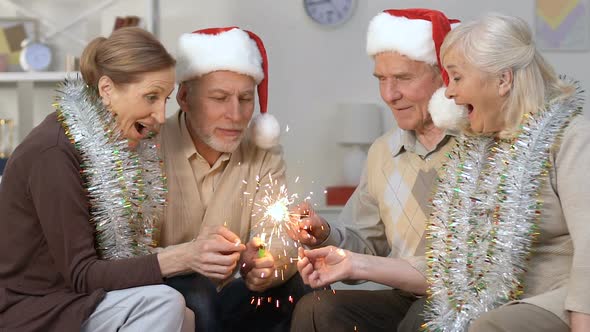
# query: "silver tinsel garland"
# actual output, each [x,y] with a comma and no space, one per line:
[484,219]
[126,188]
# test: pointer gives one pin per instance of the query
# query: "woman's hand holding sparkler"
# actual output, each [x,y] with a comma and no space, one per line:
[214,253]
[307,227]
[257,266]
[323,266]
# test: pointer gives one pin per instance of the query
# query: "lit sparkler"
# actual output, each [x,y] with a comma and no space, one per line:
[273,222]
[275,219]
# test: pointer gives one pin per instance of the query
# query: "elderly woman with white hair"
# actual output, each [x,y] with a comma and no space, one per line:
[509,248]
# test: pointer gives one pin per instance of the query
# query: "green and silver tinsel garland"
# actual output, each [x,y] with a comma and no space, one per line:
[126,188]
[484,220]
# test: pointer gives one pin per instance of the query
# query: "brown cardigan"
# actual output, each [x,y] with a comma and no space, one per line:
[50,276]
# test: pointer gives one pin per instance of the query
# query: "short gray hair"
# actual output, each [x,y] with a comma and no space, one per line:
[496,43]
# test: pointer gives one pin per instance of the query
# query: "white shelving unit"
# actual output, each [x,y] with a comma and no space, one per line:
[25,88]
[17,77]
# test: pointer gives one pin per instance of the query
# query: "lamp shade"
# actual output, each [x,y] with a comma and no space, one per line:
[359,123]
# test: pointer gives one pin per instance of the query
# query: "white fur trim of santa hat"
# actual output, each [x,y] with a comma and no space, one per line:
[412,38]
[233,50]
[445,113]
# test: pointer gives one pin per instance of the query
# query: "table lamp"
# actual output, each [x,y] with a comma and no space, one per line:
[358,125]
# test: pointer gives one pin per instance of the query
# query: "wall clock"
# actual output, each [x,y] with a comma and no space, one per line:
[330,12]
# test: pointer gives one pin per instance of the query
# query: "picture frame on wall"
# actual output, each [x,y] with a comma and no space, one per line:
[562,25]
[13,31]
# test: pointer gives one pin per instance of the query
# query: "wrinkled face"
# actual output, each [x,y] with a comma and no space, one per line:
[483,94]
[406,86]
[218,106]
[139,107]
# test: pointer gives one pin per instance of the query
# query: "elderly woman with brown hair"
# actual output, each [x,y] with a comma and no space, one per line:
[509,232]
[92,169]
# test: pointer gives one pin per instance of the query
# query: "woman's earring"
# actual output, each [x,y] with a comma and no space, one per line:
[109,107]
[111,111]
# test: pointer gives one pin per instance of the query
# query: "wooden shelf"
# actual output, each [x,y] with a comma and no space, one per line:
[48,76]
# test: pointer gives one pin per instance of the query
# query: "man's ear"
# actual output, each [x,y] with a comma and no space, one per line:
[106,87]
[506,81]
[182,95]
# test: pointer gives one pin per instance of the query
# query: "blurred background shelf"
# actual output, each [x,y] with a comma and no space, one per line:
[25,88]
[53,76]
[328,208]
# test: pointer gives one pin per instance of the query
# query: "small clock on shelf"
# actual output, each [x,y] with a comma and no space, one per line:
[330,12]
[35,56]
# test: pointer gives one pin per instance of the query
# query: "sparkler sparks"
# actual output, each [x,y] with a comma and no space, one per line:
[275,221]
[278,211]
[272,224]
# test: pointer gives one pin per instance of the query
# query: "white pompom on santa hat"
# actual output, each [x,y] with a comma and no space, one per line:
[233,49]
[418,34]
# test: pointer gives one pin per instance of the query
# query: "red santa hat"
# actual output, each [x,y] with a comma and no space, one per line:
[233,49]
[418,34]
